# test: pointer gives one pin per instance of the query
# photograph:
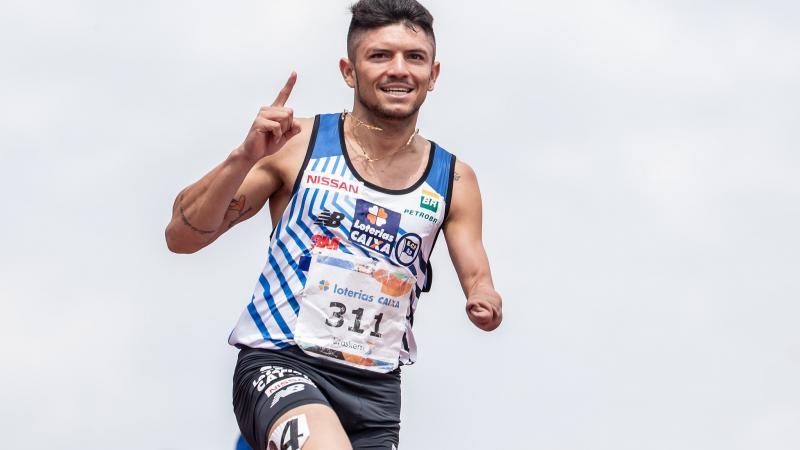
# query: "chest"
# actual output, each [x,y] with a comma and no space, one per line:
[341,212]
[398,173]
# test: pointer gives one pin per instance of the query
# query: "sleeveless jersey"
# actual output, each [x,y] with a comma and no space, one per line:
[333,207]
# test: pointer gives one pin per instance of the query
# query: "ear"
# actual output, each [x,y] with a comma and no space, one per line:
[348,72]
[434,75]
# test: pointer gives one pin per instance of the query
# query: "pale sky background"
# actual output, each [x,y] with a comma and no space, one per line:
[641,180]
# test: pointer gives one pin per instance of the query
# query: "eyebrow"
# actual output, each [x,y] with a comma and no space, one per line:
[413,50]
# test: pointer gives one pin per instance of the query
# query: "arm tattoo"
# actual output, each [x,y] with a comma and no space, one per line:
[186,222]
[238,206]
[456,176]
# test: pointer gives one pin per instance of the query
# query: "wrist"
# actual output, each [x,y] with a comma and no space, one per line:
[241,157]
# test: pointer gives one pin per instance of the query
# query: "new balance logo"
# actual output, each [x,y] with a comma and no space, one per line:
[286,392]
[329,218]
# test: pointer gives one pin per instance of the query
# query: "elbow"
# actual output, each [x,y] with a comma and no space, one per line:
[177,243]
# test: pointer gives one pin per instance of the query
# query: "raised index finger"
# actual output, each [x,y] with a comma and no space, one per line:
[283,95]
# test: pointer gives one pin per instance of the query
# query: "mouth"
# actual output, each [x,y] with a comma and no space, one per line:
[397,91]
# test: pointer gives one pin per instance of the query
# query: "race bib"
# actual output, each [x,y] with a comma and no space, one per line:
[353,310]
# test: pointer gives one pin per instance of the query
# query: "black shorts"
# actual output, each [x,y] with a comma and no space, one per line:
[267,383]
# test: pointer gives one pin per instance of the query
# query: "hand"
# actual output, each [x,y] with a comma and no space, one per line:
[484,313]
[273,126]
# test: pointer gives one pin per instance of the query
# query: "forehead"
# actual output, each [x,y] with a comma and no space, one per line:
[398,36]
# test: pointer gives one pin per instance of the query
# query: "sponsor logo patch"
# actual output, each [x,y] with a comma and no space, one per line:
[329,218]
[345,291]
[271,374]
[332,183]
[374,227]
[421,214]
[286,392]
[283,383]
[408,248]
[429,200]
[321,241]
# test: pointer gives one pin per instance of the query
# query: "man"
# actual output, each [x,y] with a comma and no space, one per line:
[357,201]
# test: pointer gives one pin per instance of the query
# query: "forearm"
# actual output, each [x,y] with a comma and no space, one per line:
[199,210]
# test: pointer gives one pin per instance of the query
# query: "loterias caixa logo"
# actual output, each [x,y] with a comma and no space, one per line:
[375,227]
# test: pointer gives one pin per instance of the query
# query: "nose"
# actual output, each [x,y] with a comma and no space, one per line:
[398,66]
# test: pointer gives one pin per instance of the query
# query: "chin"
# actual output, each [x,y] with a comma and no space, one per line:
[393,112]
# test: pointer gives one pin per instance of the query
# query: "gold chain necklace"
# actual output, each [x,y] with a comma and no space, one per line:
[361,146]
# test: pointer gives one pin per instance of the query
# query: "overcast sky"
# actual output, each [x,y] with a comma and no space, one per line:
[640,173]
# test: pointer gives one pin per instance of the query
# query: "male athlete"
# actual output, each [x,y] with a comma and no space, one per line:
[357,200]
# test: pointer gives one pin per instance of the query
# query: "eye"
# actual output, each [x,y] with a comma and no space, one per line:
[417,56]
[378,55]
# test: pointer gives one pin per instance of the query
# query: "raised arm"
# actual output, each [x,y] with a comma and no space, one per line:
[239,187]
[463,231]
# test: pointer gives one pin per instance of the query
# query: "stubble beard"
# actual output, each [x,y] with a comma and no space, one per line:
[379,111]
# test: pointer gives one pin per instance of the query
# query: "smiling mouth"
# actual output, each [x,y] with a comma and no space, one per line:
[397,92]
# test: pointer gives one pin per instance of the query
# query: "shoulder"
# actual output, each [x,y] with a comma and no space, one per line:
[460,168]
[465,200]
[463,172]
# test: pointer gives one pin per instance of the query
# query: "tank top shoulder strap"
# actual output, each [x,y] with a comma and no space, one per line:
[326,143]
[440,177]
[323,142]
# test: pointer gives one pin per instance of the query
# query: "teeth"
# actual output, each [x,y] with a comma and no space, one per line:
[398,91]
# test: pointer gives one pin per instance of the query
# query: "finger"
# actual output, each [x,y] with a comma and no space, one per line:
[295,129]
[283,95]
[477,303]
[270,127]
[286,119]
[284,116]
[481,315]
[476,309]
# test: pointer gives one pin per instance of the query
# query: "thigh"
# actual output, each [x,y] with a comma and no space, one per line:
[369,408]
[375,439]
[264,390]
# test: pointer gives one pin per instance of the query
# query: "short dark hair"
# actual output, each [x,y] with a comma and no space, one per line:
[371,14]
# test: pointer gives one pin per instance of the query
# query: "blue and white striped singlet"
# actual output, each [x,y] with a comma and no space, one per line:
[332,206]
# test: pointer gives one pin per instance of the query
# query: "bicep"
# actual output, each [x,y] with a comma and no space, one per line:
[268,179]
[252,195]
[258,186]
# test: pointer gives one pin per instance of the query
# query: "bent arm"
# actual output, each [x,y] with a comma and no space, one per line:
[237,189]
[230,193]
[463,231]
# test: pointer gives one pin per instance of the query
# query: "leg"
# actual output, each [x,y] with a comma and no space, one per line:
[324,431]
[269,390]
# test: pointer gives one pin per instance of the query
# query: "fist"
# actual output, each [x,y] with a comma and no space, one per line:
[273,126]
[483,313]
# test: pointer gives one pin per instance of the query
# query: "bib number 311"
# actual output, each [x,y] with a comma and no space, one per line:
[353,310]
[336,320]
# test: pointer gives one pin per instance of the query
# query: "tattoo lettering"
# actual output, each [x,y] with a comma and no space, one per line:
[456,176]
[188,224]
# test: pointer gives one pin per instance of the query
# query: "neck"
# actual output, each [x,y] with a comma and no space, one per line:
[393,133]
